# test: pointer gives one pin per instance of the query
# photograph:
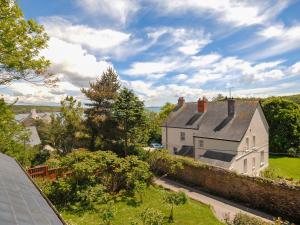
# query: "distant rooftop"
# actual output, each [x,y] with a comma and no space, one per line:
[21,203]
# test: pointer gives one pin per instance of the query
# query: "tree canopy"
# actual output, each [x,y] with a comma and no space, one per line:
[20,43]
[128,112]
[102,95]
[283,117]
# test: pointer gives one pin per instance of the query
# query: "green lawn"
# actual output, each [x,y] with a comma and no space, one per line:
[192,213]
[285,166]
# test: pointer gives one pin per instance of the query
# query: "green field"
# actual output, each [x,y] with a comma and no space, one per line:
[285,166]
[192,213]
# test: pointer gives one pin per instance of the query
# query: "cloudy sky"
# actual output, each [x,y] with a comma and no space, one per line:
[163,49]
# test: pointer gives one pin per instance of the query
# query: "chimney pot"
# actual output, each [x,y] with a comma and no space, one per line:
[231,107]
[202,105]
[180,101]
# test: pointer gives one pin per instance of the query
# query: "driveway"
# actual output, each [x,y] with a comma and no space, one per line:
[220,206]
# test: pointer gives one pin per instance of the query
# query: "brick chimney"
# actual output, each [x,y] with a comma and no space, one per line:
[231,107]
[180,101]
[202,104]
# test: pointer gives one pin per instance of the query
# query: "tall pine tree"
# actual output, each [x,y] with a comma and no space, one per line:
[128,112]
[102,95]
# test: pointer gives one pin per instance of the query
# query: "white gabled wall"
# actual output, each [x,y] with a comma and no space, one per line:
[174,140]
[259,129]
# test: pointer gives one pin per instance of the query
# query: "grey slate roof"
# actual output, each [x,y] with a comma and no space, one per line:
[186,151]
[215,123]
[218,156]
[34,138]
[21,203]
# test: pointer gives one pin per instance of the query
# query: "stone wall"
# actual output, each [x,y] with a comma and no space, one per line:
[278,199]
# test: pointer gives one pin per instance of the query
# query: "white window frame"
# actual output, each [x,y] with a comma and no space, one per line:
[254,141]
[201,143]
[253,163]
[247,144]
[262,158]
[245,166]
[182,136]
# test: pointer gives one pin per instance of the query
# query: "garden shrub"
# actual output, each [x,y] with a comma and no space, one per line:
[244,219]
[292,152]
[95,176]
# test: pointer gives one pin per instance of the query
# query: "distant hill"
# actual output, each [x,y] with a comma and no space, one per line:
[153,108]
[294,98]
[20,109]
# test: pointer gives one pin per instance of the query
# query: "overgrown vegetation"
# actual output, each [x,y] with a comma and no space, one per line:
[283,117]
[244,219]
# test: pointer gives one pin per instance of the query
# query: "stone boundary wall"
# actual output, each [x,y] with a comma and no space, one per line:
[278,199]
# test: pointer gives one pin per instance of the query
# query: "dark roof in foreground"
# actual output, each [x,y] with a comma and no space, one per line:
[215,123]
[21,203]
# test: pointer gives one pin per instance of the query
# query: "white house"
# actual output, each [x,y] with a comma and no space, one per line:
[232,134]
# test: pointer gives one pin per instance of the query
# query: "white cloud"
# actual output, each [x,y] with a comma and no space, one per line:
[73,63]
[203,61]
[295,69]
[102,40]
[181,77]
[33,93]
[158,95]
[237,13]
[186,41]
[117,10]
[152,69]
[232,69]
[278,40]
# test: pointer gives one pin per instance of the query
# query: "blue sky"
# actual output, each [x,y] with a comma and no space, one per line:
[165,49]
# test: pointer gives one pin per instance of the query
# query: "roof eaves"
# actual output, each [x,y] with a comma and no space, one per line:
[42,194]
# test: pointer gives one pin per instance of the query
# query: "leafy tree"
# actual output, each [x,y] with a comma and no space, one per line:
[65,129]
[151,216]
[283,117]
[165,111]
[102,95]
[219,97]
[153,125]
[20,43]
[128,112]
[13,136]
[175,199]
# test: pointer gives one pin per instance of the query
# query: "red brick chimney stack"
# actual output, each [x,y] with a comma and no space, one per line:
[180,101]
[202,104]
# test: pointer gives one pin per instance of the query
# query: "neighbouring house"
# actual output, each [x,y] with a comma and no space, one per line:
[30,123]
[21,202]
[232,134]
[31,118]
[34,138]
